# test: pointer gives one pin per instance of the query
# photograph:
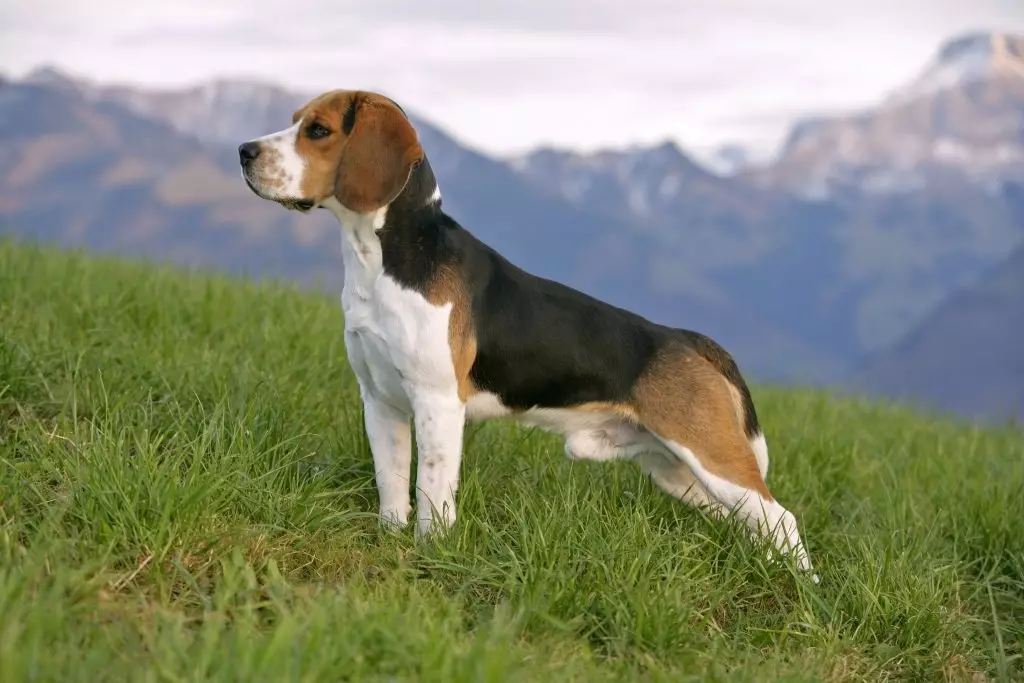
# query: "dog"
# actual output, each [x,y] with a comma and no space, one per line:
[441,329]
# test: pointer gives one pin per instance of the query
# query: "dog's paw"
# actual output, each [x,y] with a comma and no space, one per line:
[393,521]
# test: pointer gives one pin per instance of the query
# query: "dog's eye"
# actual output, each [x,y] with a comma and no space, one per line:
[315,131]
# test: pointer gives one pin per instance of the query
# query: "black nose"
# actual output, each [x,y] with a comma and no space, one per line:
[247,152]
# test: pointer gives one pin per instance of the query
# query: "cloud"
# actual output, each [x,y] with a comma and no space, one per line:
[507,76]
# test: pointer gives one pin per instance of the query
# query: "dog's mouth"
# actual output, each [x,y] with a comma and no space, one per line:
[290,203]
[303,205]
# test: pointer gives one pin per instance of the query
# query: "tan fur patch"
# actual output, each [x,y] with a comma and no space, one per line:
[683,397]
[447,287]
[623,410]
[322,156]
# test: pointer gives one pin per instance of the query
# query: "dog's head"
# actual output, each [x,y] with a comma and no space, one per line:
[357,147]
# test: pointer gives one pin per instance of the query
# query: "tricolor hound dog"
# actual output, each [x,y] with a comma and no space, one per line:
[439,328]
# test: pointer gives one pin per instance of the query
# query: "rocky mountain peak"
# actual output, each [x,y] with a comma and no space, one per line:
[996,48]
[967,58]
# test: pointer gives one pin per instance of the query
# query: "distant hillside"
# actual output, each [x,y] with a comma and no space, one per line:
[91,173]
[968,356]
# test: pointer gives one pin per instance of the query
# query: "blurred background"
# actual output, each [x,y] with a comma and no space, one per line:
[833,190]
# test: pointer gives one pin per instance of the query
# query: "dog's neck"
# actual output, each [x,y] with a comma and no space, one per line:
[404,234]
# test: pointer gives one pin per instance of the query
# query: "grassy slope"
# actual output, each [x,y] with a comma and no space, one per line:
[186,494]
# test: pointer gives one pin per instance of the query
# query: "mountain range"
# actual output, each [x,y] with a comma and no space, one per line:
[976,333]
[958,122]
[835,262]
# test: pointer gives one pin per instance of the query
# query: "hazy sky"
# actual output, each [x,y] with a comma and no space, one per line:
[578,73]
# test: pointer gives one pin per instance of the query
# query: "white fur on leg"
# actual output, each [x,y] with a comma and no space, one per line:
[390,437]
[601,445]
[760,448]
[767,518]
[676,479]
[440,420]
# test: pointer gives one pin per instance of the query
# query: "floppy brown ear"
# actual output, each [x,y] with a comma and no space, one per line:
[378,157]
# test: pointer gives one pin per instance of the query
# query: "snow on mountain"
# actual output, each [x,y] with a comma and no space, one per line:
[730,159]
[646,178]
[220,110]
[961,119]
[966,59]
[225,111]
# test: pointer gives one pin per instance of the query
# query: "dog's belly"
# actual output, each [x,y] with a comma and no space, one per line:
[589,435]
[485,406]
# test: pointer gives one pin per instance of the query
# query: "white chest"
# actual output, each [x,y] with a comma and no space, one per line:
[396,340]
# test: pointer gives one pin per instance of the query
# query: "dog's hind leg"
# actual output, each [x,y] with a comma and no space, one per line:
[678,481]
[691,409]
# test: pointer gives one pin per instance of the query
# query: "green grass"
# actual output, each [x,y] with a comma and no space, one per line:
[186,495]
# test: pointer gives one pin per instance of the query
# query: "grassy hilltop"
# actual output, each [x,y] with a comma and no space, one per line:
[186,494]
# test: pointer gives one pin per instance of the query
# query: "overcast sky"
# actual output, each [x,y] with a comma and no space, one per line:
[576,73]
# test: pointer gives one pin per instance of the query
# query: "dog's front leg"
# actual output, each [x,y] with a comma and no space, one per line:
[390,437]
[440,420]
